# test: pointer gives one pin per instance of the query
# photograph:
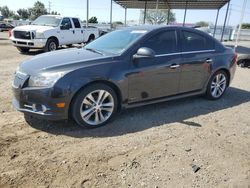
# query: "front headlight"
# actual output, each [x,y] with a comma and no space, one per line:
[39,35]
[45,79]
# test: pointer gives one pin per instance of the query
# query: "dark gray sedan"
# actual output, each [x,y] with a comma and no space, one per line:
[122,69]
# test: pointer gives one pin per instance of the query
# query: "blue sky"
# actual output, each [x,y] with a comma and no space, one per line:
[101,9]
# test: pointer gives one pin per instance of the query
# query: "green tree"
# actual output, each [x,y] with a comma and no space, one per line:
[37,10]
[202,24]
[118,23]
[55,13]
[93,19]
[245,26]
[15,17]
[159,16]
[6,12]
[23,13]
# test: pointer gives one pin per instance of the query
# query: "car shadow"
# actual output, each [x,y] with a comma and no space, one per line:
[142,118]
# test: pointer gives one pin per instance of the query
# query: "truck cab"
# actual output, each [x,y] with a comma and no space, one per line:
[48,32]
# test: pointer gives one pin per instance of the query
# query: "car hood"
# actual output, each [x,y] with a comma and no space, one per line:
[39,28]
[61,60]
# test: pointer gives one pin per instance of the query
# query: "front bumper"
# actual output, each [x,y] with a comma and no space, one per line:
[39,103]
[34,43]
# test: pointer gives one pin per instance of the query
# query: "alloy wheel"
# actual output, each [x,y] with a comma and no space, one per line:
[97,107]
[218,85]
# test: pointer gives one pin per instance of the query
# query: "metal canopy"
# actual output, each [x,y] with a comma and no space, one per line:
[173,4]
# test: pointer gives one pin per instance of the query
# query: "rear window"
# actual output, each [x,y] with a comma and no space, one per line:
[195,42]
[76,23]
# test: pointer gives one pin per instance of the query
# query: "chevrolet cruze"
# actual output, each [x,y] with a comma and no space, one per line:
[125,68]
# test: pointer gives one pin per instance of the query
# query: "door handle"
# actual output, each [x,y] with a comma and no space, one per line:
[73,31]
[209,60]
[174,66]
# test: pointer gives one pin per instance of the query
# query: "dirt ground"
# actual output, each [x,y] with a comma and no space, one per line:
[159,145]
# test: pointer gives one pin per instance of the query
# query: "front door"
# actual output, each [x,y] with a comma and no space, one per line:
[156,77]
[66,32]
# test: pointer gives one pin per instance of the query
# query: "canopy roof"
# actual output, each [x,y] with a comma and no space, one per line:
[173,4]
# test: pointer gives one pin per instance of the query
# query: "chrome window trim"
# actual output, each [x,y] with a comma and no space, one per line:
[180,53]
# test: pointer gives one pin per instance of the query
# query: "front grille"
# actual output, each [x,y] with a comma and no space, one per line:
[22,35]
[20,80]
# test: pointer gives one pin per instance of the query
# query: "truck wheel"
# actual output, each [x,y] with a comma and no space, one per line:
[51,45]
[91,38]
[23,49]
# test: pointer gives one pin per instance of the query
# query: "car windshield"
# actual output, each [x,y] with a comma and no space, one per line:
[53,21]
[115,42]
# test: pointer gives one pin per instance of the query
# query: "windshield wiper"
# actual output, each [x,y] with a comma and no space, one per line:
[94,50]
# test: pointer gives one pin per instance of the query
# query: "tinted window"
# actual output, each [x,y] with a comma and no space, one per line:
[66,21]
[162,43]
[76,23]
[195,42]
[116,42]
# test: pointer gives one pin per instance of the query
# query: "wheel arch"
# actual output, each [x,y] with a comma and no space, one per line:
[54,37]
[105,82]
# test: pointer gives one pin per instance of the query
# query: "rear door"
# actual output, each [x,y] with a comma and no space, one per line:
[78,31]
[159,76]
[197,56]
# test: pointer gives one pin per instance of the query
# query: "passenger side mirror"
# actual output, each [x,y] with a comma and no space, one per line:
[144,52]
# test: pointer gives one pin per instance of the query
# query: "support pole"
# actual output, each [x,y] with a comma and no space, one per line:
[224,25]
[241,19]
[168,16]
[125,20]
[111,9]
[184,19]
[87,16]
[216,21]
[157,5]
[145,11]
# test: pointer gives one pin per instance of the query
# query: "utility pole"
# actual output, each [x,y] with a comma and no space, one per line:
[49,6]
[230,9]
[87,14]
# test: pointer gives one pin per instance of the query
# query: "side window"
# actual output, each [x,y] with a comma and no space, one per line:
[66,21]
[164,42]
[195,42]
[76,23]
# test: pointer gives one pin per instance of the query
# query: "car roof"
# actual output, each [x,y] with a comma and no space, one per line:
[157,27]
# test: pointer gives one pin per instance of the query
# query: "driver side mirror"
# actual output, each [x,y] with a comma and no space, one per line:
[144,52]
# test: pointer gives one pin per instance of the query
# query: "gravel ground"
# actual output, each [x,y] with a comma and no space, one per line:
[190,142]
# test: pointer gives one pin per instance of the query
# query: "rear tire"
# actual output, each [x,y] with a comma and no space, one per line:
[51,45]
[94,106]
[217,85]
[23,49]
[91,38]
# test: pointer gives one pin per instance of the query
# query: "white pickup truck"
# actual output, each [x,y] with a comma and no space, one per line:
[48,32]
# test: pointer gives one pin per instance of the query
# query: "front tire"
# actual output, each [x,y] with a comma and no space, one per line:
[51,45]
[94,106]
[23,49]
[217,85]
